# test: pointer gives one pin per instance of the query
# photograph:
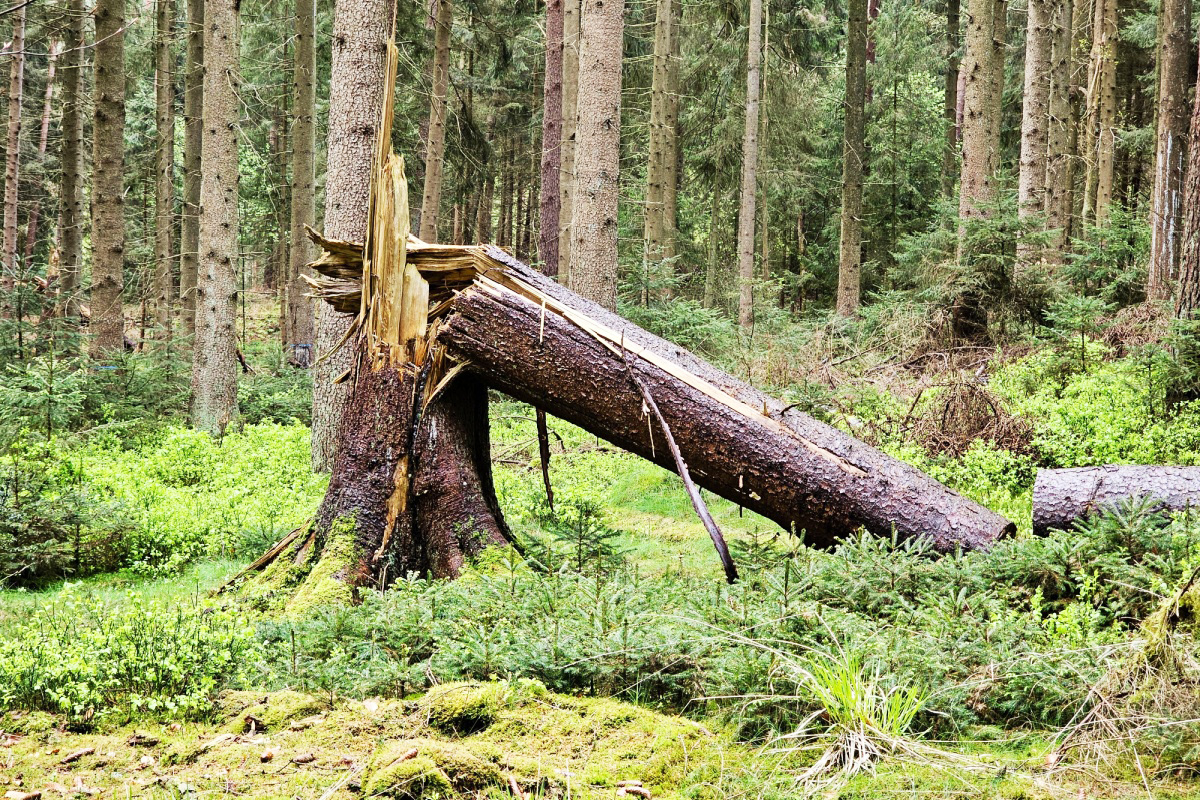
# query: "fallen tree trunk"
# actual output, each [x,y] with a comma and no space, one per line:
[1062,496]
[541,343]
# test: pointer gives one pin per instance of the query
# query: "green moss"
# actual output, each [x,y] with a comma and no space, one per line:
[461,769]
[411,779]
[273,712]
[465,708]
[26,723]
[325,585]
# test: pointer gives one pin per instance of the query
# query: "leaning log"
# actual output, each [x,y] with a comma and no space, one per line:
[541,343]
[1062,496]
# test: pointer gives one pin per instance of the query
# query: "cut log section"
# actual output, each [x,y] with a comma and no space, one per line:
[1062,496]
[526,335]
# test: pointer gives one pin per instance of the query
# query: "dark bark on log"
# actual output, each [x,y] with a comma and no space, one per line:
[1062,496]
[799,472]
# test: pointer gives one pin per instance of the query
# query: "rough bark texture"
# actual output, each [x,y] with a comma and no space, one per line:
[570,111]
[31,224]
[1170,158]
[853,146]
[660,165]
[593,271]
[1035,115]
[12,161]
[193,132]
[950,106]
[1062,496]
[164,170]
[1187,297]
[980,139]
[360,35]
[550,198]
[746,210]
[1057,191]
[299,330]
[108,179]
[800,473]
[214,357]
[70,187]
[435,146]
[1101,113]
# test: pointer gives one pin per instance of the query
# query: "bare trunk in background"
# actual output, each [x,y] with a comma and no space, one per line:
[853,152]
[1035,115]
[435,151]
[304,190]
[1170,157]
[749,171]
[70,187]
[164,184]
[550,199]
[108,179]
[193,108]
[9,278]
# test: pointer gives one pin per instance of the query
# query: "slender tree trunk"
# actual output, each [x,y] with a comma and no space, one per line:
[593,271]
[550,200]
[304,211]
[712,272]
[164,196]
[1035,115]
[435,150]
[70,189]
[214,359]
[193,107]
[16,85]
[980,140]
[671,134]
[570,115]
[1101,113]
[35,212]
[1187,297]
[654,225]
[1057,191]
[360,35]
[763,157]
[950,152]
[1170,157]
[108,179]
[853,144]
[749,171]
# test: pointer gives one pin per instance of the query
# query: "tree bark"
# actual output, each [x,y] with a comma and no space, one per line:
[1035,115]
[738,442]
[12,161]
[1187,298]
[1170,157]
[661,159]
[746,205]
[593,271]
[193,109]
[950,152]
[70,189]
[1101,113]
[550,197]
[1063,496]
[108,179]
[355,101]
[1057,189]
[164,195]
[35,212]
[853,145]
[570,112]
[303,205]
[435,149]
[214,359]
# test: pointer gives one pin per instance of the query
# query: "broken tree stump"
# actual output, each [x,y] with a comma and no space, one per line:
[1062,496]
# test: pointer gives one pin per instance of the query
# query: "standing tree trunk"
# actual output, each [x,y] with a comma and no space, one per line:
[660,166]
[214,360]
[1170,156]
[193,108]
[360,35]
[853,144]
[980,139]
[1099,135]
[435,150]
[749,171]
[31,224]
[108,179]
[304,147]
[550,200]
[1035,114]
[671,135]
[1187,298]
[593,271]
[70,187]
[16,86]
[164,195]
[950,108]
[1057,190]
[570,117]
